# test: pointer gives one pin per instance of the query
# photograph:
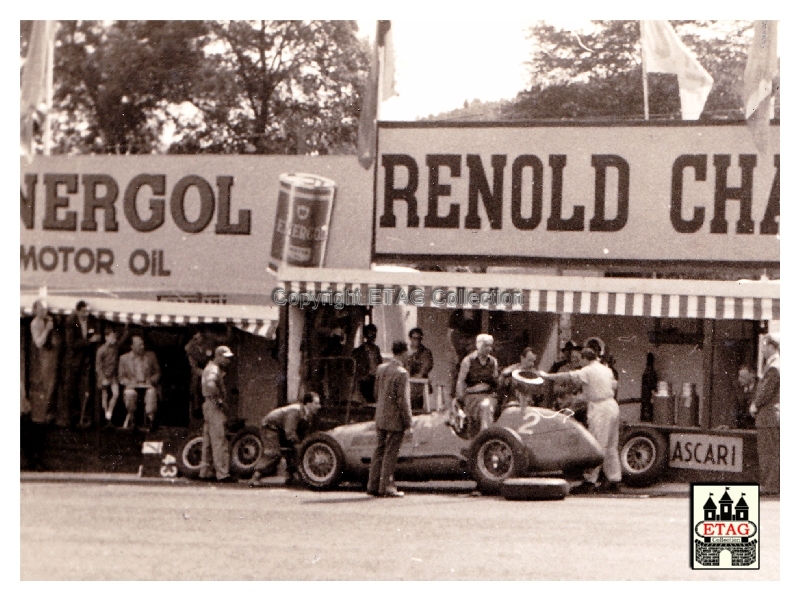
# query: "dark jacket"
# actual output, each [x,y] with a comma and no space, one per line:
[768,398]
[290,419]
[78,348]
[420,363]
[365,356]
[393,411]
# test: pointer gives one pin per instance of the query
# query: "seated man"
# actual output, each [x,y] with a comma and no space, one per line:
[512,392]
[106,365]
[139,371]
[476,384]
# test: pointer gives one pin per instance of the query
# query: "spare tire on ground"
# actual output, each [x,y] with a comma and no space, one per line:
[535,488]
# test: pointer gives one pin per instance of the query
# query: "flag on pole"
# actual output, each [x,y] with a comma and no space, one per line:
[380,87]
[664,52]
[36,90]
[760,78]
[385,42]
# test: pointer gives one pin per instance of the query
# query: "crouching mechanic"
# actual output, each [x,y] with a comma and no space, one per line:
[284,427]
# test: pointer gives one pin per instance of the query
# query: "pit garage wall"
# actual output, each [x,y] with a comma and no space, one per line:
[538,330]
[713,368]
[258,376]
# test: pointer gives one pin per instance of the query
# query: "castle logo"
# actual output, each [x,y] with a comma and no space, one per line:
[724,526]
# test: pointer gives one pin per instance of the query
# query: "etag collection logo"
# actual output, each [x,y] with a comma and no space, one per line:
[724,526]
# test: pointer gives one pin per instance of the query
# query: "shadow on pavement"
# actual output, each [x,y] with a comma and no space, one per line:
[362,498]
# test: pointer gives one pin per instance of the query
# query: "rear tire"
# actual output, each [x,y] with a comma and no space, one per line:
[189,456]
[246,449]
[321,462]
[496,455]
[643,456]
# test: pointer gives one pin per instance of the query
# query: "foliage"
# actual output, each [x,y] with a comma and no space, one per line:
[206,86]
[279,87]
[476,110]
[598,74]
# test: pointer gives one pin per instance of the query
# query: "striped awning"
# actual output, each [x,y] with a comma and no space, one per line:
[641,297]
[258,320]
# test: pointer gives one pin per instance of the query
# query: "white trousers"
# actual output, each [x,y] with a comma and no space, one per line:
[603,418]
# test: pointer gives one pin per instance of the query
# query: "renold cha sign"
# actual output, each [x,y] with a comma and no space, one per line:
[674,192]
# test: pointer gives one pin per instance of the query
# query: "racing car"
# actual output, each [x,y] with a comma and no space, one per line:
[523,441]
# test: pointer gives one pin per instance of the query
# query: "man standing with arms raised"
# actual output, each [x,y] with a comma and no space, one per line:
[215,444]
[392,419]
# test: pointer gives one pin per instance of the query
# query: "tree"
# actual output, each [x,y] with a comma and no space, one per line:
[207,86]
[111,81]
[476,110]
[279,87]
[598,73]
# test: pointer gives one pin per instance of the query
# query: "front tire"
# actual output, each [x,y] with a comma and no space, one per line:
[321,462]
[496,455]
[643,456]
[246,449]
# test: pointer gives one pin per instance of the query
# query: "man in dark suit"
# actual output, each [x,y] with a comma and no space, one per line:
[392,419]
[766,409]
[81,336]
[367,357]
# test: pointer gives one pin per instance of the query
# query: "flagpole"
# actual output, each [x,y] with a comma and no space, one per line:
[380,56]
[644,76]
[48,134]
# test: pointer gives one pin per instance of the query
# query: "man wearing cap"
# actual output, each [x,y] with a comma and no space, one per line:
[215,444]
[766,409]
[285,427]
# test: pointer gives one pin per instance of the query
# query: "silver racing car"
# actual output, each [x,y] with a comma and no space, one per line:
[523,441]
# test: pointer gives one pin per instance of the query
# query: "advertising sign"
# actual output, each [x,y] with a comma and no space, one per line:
[667,192]
[305,203]
[177,223]
[705,452]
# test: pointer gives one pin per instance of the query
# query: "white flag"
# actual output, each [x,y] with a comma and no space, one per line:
[36,91]
[385,42]
[380,87]
[759,80]
[664,52]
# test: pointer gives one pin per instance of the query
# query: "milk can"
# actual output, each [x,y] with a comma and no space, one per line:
[687,406]
[663,408]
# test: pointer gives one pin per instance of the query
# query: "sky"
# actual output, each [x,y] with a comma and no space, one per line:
[440,64]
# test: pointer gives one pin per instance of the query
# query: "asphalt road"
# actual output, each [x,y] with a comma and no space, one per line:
[95,531]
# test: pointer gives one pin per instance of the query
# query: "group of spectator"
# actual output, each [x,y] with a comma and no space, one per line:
[77,375]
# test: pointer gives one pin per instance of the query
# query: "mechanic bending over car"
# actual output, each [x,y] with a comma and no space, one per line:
[284,427]
[599,387]
[477,382]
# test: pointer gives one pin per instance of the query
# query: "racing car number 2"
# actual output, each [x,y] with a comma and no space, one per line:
[531,419]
